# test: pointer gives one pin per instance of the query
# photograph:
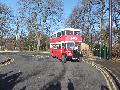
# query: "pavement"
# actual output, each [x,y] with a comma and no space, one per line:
[39,71]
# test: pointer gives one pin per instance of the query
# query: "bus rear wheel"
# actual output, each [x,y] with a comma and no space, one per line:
[63,58]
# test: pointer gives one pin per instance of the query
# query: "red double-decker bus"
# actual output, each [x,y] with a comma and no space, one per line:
[65,44]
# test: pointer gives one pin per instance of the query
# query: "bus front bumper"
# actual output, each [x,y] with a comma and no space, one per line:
[74,58]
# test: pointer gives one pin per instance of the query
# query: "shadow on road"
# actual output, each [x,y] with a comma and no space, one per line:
[70,85]
[57,86]
[24,88]
[104,87]
[8,82]
[54,86]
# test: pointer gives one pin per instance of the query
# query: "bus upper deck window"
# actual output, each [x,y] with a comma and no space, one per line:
[54,35]
[63,45]
[76,32]
[58,34]
[69,32]
[63,32]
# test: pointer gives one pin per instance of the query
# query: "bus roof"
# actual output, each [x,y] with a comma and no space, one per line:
[71,29]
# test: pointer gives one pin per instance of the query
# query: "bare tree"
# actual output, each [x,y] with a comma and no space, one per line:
[89,15]
[44,15]
[5,20]
[116,13]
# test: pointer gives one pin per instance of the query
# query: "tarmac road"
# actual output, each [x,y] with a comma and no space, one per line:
[33,72]
[113,66]
[80,76]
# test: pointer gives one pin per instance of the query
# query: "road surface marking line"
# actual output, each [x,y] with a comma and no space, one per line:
[105,74]
[104,77]
[111,80]
[102,74]
[108,78]
[113,74]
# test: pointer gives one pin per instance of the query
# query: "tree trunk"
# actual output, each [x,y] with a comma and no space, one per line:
[29,47]
[46,46]
[38,44]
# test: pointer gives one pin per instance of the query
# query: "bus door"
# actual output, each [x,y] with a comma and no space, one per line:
[54,50]
[59,53]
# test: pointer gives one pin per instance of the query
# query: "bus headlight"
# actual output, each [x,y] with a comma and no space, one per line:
[69,53]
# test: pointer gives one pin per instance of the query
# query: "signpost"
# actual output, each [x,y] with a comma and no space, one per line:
[100,44]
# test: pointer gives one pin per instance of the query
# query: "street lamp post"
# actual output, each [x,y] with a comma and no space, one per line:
[110,29]
[100,44]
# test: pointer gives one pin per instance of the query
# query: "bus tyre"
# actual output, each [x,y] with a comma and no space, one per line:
[63,59]
[78,60]
[52,54]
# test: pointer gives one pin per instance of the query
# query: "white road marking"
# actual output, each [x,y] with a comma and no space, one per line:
[108,78]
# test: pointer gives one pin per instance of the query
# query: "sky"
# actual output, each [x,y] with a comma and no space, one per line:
[68,6]
[12,4]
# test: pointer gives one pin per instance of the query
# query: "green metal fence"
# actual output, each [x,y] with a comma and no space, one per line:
[101,51]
